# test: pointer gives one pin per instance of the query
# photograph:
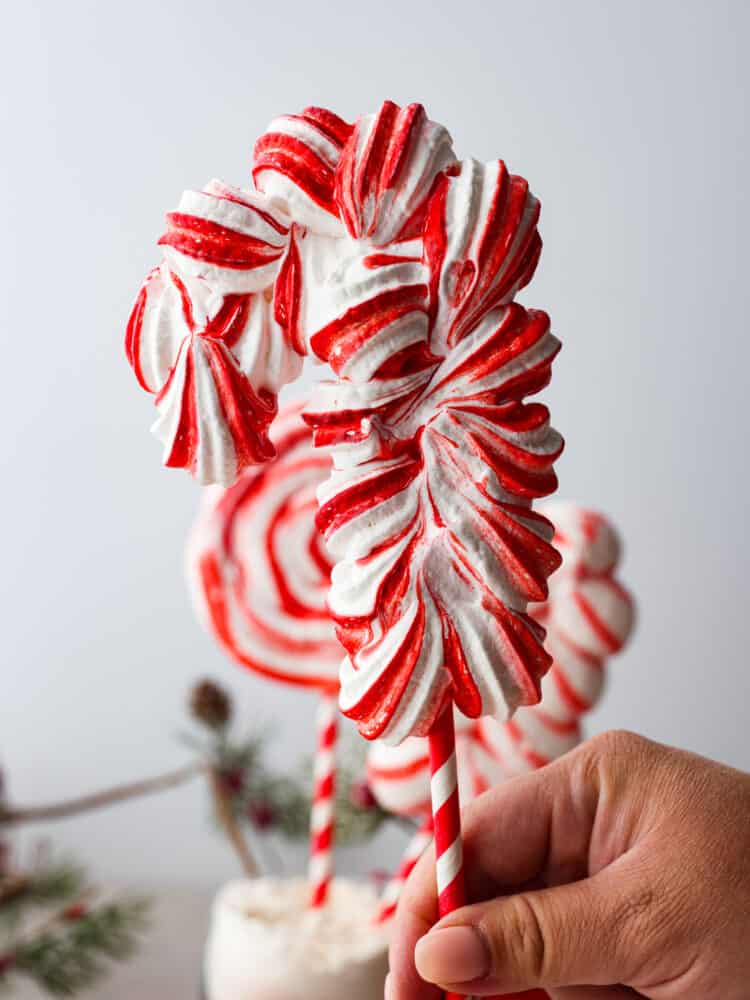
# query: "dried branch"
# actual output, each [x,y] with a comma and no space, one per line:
[228,821]
[12,816]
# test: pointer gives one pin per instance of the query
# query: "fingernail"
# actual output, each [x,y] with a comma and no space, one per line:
[452,955]
[388,988]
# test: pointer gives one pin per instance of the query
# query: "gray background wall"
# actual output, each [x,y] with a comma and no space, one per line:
[630,121]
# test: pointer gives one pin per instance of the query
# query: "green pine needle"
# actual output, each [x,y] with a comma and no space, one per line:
[56,882]
[70,957]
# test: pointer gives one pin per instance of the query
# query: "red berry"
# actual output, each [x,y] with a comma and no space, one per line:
[261,814]
[232,781]
[361,795]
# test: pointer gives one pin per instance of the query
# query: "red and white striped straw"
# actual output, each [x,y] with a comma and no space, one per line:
[322,814]
[446,815]
[414,851]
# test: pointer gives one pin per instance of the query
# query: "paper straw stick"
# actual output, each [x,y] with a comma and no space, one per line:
[322,817]
[446,815]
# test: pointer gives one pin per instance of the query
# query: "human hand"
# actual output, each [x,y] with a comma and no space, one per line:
[624,866]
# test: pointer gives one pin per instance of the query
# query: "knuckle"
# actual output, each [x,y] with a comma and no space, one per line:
[619,743]
[522,943]
[637,908]
[646,916]
[614,757]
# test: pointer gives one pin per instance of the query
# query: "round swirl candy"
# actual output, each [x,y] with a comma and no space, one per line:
[259,570]
[202,335]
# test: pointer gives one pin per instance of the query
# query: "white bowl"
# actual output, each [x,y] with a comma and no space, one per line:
[265,943]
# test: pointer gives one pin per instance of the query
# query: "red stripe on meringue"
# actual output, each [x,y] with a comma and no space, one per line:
[184,446]
[289,156]
[399,772]
[577,704]
[536,760]
[340,340]
[134,331]
[208,241]
[597,626]
[248,414]
[212,588]
[377,706]
[288,293]
[363,496]
[335,129]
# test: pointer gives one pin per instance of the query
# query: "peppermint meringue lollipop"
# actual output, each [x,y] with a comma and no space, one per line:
[259,572]
[437,454]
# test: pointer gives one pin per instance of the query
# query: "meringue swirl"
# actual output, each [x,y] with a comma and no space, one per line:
[202,335]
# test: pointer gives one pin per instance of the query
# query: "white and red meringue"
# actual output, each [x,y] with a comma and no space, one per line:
[294,165]
[437,456]
[259,570]
[589,615]
[202,335]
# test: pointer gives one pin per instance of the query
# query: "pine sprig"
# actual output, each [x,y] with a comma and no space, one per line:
[264,800]
[53,883]
[267,800]
[74,952]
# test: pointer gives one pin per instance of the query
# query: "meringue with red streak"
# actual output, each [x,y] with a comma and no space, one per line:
[202,335]
[437,455]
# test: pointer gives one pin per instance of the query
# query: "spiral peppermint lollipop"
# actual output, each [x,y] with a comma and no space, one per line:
[259,573]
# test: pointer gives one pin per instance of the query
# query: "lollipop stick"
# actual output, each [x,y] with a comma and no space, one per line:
[446,815]
[322,814]
[414,851]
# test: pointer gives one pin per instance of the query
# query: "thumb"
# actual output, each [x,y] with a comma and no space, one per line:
[572,934]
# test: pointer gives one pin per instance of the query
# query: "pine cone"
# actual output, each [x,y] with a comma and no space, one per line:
[210,705]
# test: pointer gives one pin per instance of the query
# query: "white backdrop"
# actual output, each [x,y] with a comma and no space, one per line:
[629,121]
